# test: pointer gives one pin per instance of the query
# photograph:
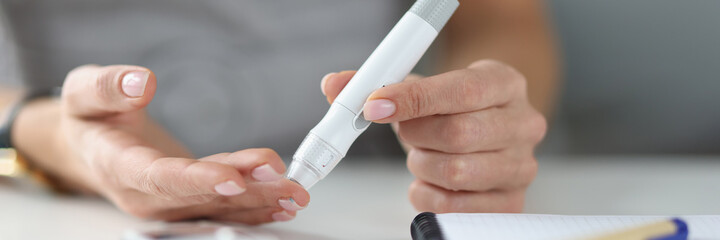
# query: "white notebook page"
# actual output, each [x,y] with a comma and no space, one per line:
[456,226]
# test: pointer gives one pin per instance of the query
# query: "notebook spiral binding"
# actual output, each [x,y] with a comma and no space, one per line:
[425,227]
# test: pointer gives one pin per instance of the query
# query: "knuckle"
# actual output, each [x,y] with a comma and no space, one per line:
[263,155]
[456,173]
[148,181]
[74,83]
[268,154]
[223,158]
[72,74]
[517,84]
[499,70]
[527,172]
[497,67]
[485,63]
[218,172]
[460,133]
[511,74]
[536,127]
[473,86]
[403,134]
[78,70]
[412,162]
[150,186]
[416,100]
[445,203]
[425,198]
[488,179]
[407,131]
[514,203]
[103,84]
[417,198]
[209,170]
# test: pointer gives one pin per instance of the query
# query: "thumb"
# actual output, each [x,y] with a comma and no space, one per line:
[333,83]
[99,91]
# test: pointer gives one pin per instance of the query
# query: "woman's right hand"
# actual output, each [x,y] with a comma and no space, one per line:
[98,138]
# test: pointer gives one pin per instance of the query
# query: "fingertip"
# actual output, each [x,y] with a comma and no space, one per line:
[151,85]
[300,196]
[302,200]
[265,173]
[134,83]
[335,83]
[256,216]
[283,216]
[229,188]
[290,204]
[223,179]
[291,196]
[383,106]
[379,109]
[324,80]
[138,86]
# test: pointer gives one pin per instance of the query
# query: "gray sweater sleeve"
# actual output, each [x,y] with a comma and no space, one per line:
[10,71]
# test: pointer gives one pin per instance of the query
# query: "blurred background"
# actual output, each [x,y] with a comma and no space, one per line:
[640,76]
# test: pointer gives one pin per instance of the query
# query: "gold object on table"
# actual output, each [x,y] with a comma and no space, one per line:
[10,164]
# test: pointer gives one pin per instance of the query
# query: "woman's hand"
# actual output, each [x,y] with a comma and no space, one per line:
[98,138]
[469,134]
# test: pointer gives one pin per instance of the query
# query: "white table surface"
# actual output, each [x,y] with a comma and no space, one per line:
[365,199]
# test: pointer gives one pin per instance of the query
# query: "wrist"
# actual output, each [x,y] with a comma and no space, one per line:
[36,138]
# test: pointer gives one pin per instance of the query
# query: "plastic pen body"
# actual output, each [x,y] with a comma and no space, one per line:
[328,142]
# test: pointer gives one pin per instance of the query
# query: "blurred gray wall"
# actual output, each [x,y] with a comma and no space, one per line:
[641,77]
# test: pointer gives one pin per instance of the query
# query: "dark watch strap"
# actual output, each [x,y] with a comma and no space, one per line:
[6,127]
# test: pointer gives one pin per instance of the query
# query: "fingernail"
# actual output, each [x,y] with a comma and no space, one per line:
[229,188]
[378,109]
[133,83]
[324,81]
[290,205]
[265,173]
[282,216]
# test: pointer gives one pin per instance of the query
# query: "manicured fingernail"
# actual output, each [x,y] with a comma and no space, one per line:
[229,188]
[324,82]
[378,109]
[133,84]
[282,216]
[290,204]
[265,173]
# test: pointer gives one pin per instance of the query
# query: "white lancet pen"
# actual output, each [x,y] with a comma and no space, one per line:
[328,142]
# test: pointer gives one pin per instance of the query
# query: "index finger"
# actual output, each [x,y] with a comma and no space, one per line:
[126,161]
[483,85]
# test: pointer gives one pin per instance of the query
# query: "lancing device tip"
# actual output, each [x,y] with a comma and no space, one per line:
[295,181]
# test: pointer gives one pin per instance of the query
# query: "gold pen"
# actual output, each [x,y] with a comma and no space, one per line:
[671,229]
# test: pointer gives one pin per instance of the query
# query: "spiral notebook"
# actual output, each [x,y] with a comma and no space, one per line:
[460,226]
